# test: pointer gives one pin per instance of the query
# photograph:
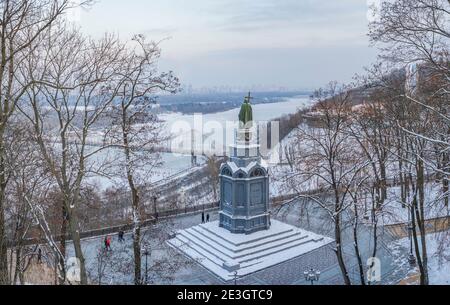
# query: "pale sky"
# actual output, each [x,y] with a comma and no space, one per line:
[291,43]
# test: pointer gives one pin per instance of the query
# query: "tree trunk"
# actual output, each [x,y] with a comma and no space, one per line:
[76,240]
[445,184]
[402,183]
[421,221]
[136,230]
[4,278]
[17,267]
[356,246]
[375,227]
[62,244]
[445,190]
[339,254]
[383,194]
[137,255]
[135,204]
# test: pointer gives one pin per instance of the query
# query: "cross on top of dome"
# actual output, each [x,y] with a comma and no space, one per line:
[248,98]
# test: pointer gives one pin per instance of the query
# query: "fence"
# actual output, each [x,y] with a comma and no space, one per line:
[150,219]
[434,225]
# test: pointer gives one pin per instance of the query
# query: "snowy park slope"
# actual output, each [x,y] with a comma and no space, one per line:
[438,256]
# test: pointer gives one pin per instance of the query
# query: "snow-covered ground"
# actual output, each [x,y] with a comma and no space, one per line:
[171,164]
[438,247]
[279,166]
[393,212]
[278,153]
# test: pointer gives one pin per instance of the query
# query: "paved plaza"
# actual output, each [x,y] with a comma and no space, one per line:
[394,263]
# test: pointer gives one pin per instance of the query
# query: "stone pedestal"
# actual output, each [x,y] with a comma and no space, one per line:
[224,253]
[244,187]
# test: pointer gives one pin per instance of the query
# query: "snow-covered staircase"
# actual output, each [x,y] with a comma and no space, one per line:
[223,253]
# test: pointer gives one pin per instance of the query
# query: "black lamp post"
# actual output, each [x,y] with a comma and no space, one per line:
[235,277]
[155,212]
[411,257]
[146,253]
[312,276]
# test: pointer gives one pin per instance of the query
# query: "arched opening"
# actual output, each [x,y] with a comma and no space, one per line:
[226,172]
[257,173]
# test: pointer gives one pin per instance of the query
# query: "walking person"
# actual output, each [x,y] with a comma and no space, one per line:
[207,218]
[107,243]
[203,217]
[39,258]
[121,234]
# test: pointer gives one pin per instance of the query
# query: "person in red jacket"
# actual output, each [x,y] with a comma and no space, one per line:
[108,242]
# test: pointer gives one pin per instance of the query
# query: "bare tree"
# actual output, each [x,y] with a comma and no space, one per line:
[80,84]
[19,216]
[22,24]
[326,161]
[136,130]
[371,133]
[414,37]
[213,167]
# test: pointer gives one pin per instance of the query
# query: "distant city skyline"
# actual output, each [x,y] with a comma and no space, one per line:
[190,89]
[288,44]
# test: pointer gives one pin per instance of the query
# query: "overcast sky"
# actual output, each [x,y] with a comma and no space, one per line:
[292,43]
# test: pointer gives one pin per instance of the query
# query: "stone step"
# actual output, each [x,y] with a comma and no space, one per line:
[257,236]
[225,249]
[244,246]
[276,257]
[205,249]
[250,257]
[197,255]
[275,250]
[216,264]
[238,254]
[282,243]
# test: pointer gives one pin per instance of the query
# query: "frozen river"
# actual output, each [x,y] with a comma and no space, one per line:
[174,163]
[261,112]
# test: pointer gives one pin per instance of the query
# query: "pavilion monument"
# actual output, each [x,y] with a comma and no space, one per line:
[245,240]
[244,181]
